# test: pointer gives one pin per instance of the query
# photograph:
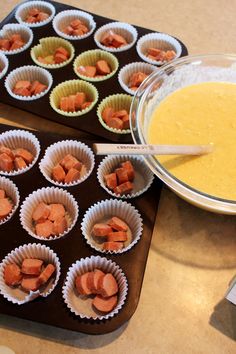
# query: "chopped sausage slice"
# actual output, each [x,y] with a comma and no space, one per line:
[44,229]
[93,279]
[69,162]
[115,123]
[122,175]
[46,274]
[64,104]
[86,105]
[25,154]
[16,45]
[42,16]
[2,194]
[107,285]
[112,246]
[12,274]
[59,58]
[56,211]
[59,226]
[6,163]
[101,230]
[118,236]
[81,284]
[80,98]
[89,71]
[5,207]
[23,84]
[6,150]
[41,212]
[104,304]
[72,175]
[120,114]
[124,188]
[125,120]
[31,266]
[118,224]
[58,173]
[39,88]
[107,114]
[75,23]
[111,180]
[33,12]
[103,67]
[5,44]
[118,41]
[127,165]
[63,51]
[30,283]
[71,103]
[19,163]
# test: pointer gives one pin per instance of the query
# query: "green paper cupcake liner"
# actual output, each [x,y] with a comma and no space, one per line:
[90,58]
[47,47]
[71,87]
[117,102]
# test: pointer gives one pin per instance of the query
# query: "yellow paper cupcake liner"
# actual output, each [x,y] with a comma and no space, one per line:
[90,58]
[47,47]
[71,87]
[117,102]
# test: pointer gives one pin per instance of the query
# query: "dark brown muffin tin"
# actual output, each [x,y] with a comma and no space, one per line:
[89,122]
[52,310]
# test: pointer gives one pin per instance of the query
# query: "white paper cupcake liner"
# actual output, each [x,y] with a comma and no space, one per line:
[129,69]
[160,41]
[43,6]
[63,19]
[126,30]
[77,304]
[56,152]
[12,193]
[48,195]
[102,212]
[117,102]
[13,28]
[28,73]
[90,57]
[48,46]
[143,175]
[17,138]
[4,64]
[31,250]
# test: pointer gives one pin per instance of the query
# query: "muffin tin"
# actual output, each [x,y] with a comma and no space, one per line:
[53,310]
[88,122]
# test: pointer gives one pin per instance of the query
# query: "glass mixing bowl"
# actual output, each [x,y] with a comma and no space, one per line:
[165,80]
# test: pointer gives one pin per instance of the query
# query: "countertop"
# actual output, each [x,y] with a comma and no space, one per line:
[193,252]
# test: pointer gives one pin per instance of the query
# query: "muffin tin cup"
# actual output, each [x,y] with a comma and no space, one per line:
[63,19]
[83,307]
[32,250]
[102,212]
[71,87]
[143,175]
[17,138]
[90,57]
[12,28]
[48,195]
[129,69]
[12,193]
[117,102]
[126,30]
[160,41]
[47,47]
[28,73]
[57,151]
[4,64]
[43,6]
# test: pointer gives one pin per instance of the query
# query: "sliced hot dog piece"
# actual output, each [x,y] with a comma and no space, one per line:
[44,229]
[31,19]
[6,163]
[59,58]
[22,92]
[5,44]
[153,51]
[41,212]
[69,162]
[68,30]
[5,207]
[86,105]
[2,194]
[62,51]
[6,150]
[120,114]
[93,279]
[127,165]
[42,16]
[125,120]
[118,236]
[112,246]
[30,283]
[64,104]
[81,284]
[19,163]
[39,88]
[115,123]
[90,71]
[103,67]
[23,84]
[107,38]
[107,285]
[104,304]
[122,175]
[46,274]
[75,23]
[31,266]
[33,12]
[17,45]
[101,230]
[59,226]
[118,224]
[118,41]
[58,173]
[56,211]
[72,175]
[80,98]
[12,274]
[71,103]
[111,181]
[124,188]
[107,114]
[25,154]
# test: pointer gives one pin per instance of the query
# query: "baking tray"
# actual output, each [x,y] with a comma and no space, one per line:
[52,310]
[89,122]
